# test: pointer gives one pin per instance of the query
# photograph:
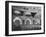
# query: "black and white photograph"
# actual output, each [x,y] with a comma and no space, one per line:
[24,18]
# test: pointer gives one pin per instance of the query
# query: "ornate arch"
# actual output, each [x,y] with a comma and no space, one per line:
[17,18]
[28,20]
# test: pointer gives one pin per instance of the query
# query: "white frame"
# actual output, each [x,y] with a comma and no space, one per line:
[29,31]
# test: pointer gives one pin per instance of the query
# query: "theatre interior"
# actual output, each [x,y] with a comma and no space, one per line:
[26,18]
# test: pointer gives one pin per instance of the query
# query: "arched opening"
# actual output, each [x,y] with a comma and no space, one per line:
[17,19]
[28,20]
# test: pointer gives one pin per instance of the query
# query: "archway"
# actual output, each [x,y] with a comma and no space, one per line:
[28,20]
[17,18]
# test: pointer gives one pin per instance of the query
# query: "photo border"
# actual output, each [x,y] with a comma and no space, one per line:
[7,17]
